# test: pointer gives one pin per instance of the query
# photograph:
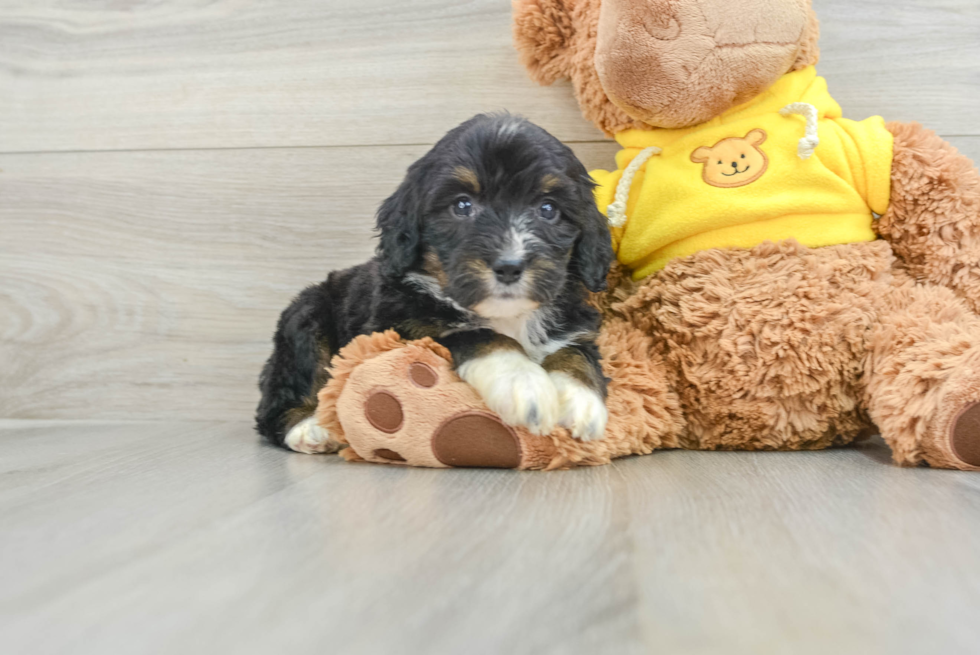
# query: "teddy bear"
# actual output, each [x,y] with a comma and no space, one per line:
[787,279]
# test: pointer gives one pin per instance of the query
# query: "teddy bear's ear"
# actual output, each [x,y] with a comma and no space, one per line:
[701,155]
[556,39]
[809,52]
[542,34]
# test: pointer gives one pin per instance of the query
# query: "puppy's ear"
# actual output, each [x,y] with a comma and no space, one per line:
[593,253]
[399,227]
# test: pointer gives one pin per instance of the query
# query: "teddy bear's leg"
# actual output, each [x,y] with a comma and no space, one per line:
[933,220]
[923,377]
[397,403]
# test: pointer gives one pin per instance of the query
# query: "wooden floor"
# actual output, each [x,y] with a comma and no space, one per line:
[171,173]
[194,538]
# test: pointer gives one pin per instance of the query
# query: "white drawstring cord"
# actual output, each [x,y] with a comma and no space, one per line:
[616,211]
[810,142]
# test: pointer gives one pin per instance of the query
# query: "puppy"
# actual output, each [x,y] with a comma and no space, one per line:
[488,246]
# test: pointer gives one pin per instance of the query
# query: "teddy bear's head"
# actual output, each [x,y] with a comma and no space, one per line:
[663,63]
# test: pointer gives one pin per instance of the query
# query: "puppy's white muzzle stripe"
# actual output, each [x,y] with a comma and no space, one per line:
[582,410]
[308,437]
[517,389]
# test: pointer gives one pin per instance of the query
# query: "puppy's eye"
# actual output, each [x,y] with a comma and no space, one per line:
[548,211]
[462,206]
[743,156]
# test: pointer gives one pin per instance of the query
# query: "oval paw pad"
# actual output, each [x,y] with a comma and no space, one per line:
[384,412]
[422,375]
[965,435]
[476,439]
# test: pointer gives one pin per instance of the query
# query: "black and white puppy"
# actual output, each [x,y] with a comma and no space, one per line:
[488,247]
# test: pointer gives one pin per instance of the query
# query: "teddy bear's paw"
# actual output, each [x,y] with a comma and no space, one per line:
[407,407]
[582,410]
[964,435]
[515,388]
[308,437]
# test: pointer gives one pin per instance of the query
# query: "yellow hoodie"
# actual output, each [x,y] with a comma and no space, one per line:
[739,180]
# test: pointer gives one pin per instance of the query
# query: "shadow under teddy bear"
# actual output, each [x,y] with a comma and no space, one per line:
[762,315]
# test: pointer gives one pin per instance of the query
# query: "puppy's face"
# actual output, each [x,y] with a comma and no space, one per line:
[501,215]
[495,233]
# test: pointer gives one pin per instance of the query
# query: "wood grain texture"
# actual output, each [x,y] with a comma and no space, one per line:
[911,60]
[106,74]
[147,285]
[193,538]
[206,74]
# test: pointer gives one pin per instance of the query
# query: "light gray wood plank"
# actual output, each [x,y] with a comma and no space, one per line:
[147,285]
[306,72]
[260,73]
[911,60]
[969,146]
[194,538]
[823,552]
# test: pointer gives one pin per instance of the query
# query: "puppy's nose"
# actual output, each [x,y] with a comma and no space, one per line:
[735,165]
[508,271]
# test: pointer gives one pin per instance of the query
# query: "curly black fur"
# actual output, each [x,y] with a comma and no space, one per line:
[433,274]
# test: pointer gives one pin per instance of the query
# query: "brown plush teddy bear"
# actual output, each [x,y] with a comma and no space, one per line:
[766,307]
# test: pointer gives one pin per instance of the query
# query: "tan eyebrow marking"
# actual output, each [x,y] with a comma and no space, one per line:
[549,182]
[468,177]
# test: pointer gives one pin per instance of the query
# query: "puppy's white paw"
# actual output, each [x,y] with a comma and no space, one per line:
[517,389]
[582,410]
[308,437]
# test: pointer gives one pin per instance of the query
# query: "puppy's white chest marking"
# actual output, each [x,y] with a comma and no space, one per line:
[515,327]
[530,330]
[521,329]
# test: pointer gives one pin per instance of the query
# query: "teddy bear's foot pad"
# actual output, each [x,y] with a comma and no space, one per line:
[964,436]
[476,439]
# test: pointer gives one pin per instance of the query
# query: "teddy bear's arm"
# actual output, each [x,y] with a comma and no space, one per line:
[933,219]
